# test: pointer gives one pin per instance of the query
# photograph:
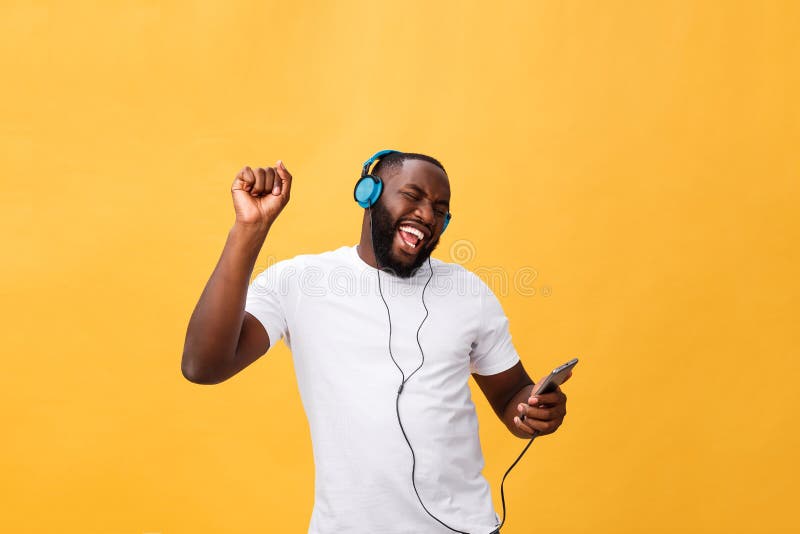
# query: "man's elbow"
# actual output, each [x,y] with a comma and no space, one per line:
[198,374]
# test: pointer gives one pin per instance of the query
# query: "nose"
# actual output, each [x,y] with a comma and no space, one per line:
[426,215]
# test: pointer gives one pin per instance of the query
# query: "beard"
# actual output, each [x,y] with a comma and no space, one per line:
[384,230]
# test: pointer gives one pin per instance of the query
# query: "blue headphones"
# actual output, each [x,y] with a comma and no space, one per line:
[369,187]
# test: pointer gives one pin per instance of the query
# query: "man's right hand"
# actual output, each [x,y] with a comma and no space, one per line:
[260,194]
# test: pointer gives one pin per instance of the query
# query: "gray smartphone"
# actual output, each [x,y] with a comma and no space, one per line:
[553,380]
[556,377]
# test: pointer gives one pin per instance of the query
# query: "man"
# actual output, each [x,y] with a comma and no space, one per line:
[384,339]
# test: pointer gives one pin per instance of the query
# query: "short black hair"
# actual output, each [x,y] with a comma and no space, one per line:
[396,159]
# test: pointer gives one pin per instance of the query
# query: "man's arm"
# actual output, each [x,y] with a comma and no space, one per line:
[222,339]
[508,390]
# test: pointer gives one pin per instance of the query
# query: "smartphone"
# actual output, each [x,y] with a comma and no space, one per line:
[553,380]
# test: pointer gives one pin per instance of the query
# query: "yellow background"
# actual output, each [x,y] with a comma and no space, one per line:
[640,156]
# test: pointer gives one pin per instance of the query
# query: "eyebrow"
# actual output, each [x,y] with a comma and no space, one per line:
[419,190]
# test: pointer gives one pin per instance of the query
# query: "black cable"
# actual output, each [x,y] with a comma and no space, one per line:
[388,313]
[502,493]
[402,374]
[430,267]
[403,383]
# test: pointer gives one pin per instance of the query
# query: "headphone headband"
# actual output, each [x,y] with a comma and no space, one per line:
[376,156]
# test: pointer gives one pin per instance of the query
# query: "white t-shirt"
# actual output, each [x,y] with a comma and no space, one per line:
[328,310]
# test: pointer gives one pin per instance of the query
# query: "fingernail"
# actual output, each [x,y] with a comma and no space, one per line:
[520,407]
[516,420]
[534,400]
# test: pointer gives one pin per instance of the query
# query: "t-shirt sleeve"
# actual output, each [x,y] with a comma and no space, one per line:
[492,352]
[266,299]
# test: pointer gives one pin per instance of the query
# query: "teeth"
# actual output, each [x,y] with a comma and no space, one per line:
[414,231]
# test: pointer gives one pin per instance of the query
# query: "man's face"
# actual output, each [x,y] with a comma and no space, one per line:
[408,218]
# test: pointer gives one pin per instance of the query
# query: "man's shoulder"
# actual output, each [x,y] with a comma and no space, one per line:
[343,254]
[327,259]
[458,276]
[291,273]
[444,268]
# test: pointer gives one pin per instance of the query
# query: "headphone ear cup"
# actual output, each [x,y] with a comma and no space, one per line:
[446,222]
[368,190]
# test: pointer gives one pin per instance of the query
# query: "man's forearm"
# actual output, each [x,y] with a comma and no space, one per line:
[216,323]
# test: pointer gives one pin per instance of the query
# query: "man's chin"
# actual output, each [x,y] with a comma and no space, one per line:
[404,265]
[402,270]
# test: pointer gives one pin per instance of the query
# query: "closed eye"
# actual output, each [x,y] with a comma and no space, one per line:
[416,198]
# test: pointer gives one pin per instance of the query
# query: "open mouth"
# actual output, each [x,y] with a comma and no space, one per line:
[410,238]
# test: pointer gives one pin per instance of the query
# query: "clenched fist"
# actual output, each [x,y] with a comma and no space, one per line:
[260,194]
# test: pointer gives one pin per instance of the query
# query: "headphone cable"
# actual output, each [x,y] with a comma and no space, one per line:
[402,374]
[403,383]
[502,493]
